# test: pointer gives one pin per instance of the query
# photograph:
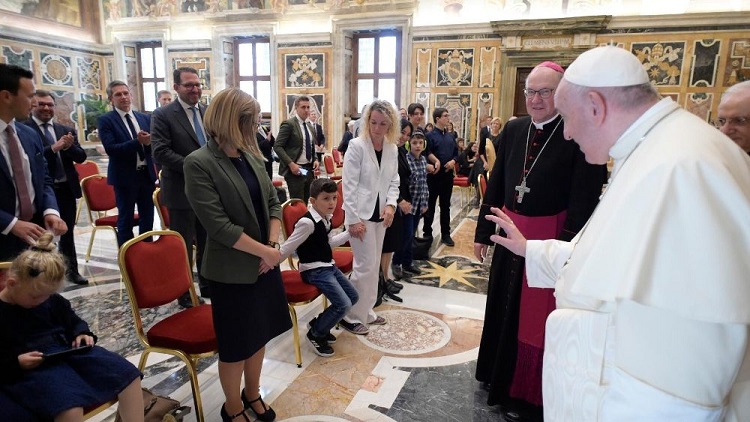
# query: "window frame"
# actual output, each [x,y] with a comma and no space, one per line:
[355,110]
[255,78]
[153,45]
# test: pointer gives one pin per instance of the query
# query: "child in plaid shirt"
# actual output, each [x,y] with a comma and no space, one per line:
[419,196]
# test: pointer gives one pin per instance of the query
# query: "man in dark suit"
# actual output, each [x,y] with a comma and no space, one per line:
[27,199]
[126,138]
[295,147]
[177,130]
[61,150]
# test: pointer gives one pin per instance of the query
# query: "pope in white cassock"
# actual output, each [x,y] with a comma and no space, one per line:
[653,294]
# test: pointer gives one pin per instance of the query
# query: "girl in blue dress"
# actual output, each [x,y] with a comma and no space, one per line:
[35,321]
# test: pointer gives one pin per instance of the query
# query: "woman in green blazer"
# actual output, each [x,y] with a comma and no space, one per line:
[230,192]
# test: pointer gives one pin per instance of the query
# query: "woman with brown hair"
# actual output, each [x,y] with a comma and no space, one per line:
[227,186]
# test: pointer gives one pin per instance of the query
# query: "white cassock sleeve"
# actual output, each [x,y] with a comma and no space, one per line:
[544,260]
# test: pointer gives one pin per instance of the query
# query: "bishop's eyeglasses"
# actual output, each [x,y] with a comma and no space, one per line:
[734,121]
[544,92]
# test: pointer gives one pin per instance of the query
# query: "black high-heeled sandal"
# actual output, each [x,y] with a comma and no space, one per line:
[225,417]
[267,416]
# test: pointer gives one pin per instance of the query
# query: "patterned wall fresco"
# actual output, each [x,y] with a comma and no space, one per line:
[693,68]
[307,71]
[56,70]
[460,75]
[304,70]
[21,57]
[68,74]
[455,67]
[706,62]
[662,61]
[738,66]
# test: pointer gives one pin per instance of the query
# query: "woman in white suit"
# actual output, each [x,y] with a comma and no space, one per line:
[370,182]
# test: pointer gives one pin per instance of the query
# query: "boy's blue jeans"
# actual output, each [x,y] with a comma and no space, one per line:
[403,256]
[340,292]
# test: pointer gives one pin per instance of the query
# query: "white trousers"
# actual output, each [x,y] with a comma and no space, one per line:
[365,272]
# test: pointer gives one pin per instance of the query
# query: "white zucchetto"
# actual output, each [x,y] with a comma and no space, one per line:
[606,67]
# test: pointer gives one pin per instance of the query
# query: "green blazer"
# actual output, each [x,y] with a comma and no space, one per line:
[221,201]
[289,144]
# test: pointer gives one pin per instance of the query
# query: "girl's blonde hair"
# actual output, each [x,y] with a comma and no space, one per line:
[41,265]
[232,119]
[391,116]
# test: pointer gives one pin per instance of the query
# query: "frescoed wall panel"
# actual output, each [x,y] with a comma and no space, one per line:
[738,63]
[662,60]
[455,67]
[705,62]
[304,70]
[23,57]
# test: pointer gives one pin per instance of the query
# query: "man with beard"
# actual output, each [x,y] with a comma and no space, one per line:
[177,130]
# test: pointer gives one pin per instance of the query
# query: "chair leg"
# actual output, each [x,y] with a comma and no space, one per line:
[295,332]
[143,360]
[193,372]
[91,244]
[78,210]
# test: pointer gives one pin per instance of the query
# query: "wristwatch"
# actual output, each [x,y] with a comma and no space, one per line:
[274,245]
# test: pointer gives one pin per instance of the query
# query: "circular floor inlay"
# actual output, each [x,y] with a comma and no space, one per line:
[407,333]
[314,418]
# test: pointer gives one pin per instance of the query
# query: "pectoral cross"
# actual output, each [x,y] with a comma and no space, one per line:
[522,189]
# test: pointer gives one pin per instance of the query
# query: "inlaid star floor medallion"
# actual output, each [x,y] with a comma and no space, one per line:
[446,274]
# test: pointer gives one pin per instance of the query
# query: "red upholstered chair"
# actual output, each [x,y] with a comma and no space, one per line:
[297,291]
[482,184]
[84,169]
[463,185]
[161,209]
[337,158]
[100,198]
[291,211]
[277,183]
[156,273]
[330,167]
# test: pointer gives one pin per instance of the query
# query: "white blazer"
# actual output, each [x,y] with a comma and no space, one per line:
[363,179]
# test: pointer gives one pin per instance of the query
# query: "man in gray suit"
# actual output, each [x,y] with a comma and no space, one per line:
[295,146]
[176,131]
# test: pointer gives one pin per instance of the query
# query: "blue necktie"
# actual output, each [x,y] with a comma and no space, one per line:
[58,174]
[308,144]
[134,133]
[197,127]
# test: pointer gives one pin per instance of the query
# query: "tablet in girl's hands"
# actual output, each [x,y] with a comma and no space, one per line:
[55,356]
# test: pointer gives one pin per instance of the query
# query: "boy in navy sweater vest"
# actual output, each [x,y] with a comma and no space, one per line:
[313,243]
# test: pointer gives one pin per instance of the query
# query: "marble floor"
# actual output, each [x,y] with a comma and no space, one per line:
[418,367]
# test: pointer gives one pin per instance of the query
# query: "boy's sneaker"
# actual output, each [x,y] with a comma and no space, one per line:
[330,338]
[320,344]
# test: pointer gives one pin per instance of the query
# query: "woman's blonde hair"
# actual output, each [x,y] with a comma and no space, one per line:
[232,119]
[41,265]
[391,116]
